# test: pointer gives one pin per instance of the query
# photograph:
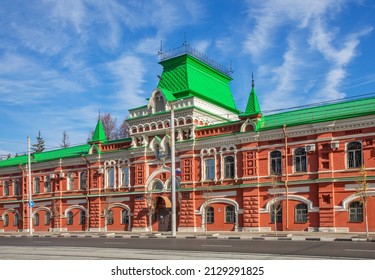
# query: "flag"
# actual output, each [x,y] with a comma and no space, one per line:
[178,172]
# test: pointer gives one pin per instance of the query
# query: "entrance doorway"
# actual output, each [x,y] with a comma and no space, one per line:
[162,220]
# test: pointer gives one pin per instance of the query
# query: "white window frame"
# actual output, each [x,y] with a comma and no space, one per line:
[232,167]
[36,184]
[271,160]
[301,215]
[83,180]
[70,181]
[349,152]
[209,170]
[300,157]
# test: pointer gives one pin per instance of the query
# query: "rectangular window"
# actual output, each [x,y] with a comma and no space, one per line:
[230,215]
[47,184]
[209,169]
[300,163]
[36,185]
[125,176]
[229,167]
[6,188]
[16,187]
[82,218]
[111,177]
[70,181]
[82,181]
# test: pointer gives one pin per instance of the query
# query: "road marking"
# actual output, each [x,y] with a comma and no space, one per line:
[41,242]
[227,246]
[358,250]
[111,242]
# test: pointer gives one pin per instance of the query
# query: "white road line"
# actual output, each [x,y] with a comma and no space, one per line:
[358,250]
[112,242]
[41,242]
[226,246]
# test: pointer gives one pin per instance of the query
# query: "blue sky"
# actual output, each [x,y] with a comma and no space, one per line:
[63,61]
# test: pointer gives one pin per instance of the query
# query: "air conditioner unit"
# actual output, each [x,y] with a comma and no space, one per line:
[62,175]
[52,175]
[310,148]
[335,145]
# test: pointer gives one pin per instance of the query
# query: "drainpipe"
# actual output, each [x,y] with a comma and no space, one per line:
[286,175]
[87,191]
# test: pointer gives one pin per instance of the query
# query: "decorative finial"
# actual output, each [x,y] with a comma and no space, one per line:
[252,80]
[99,115]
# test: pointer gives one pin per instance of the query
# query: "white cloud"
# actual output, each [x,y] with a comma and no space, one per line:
[129,71]
[269,16]
[202,45]
[339,57]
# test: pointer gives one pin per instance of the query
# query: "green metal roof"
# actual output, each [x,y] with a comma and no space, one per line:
[342,110]
[99,133]
[47,155]
[252,107]
[185,76]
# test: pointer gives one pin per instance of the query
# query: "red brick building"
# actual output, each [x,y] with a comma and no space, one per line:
[237,171]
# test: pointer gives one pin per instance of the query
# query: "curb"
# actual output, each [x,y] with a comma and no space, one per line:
[208,237]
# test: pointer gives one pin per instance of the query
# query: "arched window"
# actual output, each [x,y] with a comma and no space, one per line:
[47,219]
[82,217]
[111,177]
[125,177]
[36,219]
[82,180]
[354,155]
[157,185]
[229,167]
[159,103]
[276,210]
[110,217]
[355,212]
[69,218]
[125,217]
[230,215]
[6,220]
[300,160]
[36,185]
[6,188]
[70,182]
[275,163]
[210,215]
[300,213]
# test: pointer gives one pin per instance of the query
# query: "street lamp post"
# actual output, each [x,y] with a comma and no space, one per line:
[173,173]
[29,187]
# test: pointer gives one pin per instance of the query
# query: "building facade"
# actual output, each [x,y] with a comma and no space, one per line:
[297,170]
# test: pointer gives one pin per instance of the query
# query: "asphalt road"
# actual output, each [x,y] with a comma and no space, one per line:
[168,248]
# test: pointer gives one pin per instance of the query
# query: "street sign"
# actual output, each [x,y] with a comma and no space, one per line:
[31,204]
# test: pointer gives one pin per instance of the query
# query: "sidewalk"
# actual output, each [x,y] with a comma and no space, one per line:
[282,235]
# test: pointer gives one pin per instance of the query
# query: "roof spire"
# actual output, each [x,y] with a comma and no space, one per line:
[252,80]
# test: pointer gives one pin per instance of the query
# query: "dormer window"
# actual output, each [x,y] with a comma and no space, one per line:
[159,103]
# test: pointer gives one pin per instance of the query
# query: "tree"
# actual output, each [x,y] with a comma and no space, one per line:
[362,192]
[65,140]
[39,145]
[124,130]
[276,205]
[109,124]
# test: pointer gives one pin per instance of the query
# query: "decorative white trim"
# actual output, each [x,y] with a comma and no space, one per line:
[349,199]
[310,207]
[219,194]
[202,211]
[73,207]
[290,190]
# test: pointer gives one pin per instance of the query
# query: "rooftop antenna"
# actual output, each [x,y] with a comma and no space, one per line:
[161,48]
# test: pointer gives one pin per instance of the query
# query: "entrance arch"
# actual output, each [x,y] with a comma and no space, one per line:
[162,216]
